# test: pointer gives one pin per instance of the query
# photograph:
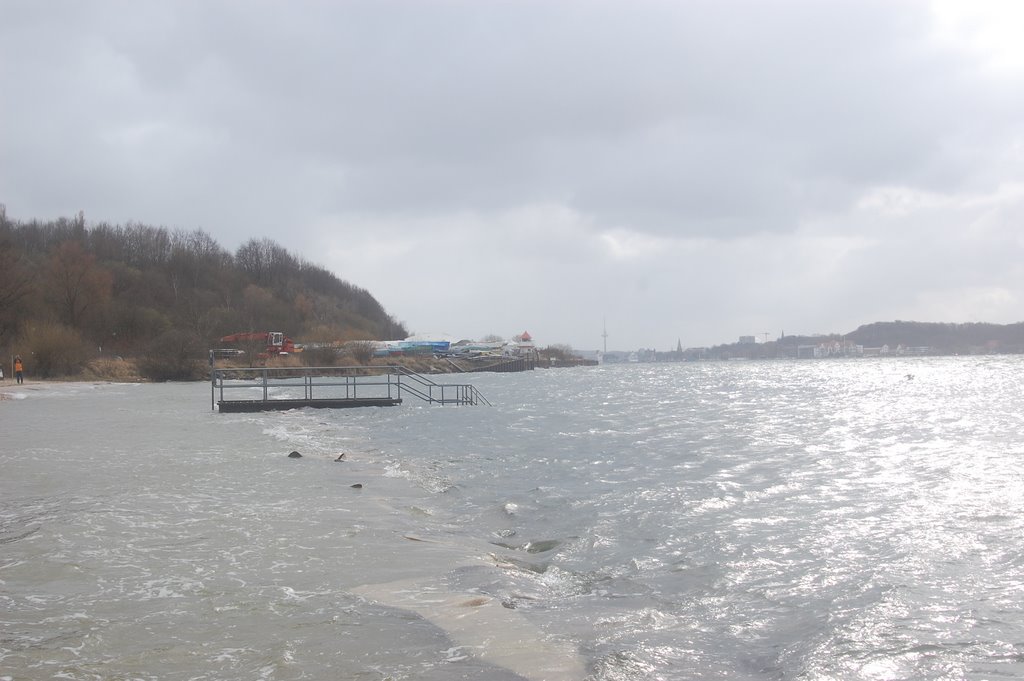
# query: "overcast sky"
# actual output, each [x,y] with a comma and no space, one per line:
[690,171]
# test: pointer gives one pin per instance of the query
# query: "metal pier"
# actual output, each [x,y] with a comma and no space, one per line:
[278,389]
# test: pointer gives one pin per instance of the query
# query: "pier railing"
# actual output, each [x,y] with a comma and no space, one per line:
[266,388]
[439,393]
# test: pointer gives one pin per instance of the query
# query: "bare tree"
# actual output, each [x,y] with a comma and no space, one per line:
[16,281]
[77,282]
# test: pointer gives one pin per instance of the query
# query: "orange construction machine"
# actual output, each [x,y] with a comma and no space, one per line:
[273,343]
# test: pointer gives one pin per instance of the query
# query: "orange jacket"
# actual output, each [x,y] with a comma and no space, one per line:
[17,365]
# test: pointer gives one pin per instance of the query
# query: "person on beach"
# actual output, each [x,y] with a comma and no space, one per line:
[19,370]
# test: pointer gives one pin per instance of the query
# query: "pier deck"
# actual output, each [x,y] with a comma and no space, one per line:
[244,406]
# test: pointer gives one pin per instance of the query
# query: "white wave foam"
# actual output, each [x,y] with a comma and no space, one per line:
[485,628]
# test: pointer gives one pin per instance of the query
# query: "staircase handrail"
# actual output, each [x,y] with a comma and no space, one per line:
[471,394]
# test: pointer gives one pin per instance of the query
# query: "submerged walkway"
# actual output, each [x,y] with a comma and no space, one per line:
[279,389]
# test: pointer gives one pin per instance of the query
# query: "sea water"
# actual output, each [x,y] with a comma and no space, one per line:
[835,519]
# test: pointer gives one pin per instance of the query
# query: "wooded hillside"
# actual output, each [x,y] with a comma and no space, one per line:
[914,338]
[970,338]
[70,292]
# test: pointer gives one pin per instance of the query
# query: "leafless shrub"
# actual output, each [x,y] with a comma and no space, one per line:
[326,356]
[52,350]
[361,351]
[173,356]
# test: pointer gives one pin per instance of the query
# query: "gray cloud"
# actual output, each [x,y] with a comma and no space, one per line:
[687,169]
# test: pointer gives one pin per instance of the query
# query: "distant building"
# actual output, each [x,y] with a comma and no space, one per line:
[522,345]
[837,348]
[615,357]
[748,340]
[646,355]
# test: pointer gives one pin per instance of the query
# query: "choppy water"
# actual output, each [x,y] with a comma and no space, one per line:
[811,520]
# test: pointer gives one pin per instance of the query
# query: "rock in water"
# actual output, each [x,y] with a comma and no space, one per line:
[295,455]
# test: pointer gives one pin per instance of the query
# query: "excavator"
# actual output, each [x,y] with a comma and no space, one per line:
[273,343]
